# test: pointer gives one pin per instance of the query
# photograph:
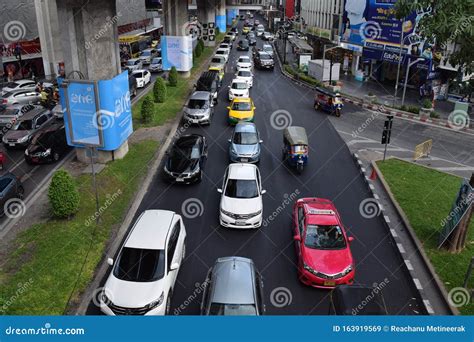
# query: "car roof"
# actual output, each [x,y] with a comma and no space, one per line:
[244,57]
[245,127]
[239,80]
[133,59]
[320,211]
[32,113]
[200,95]
[24,81]
[233,281]
[242,99]
[150,230]
[242,171]
[137,71]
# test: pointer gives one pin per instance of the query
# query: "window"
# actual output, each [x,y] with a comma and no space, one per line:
[4,183]
[172,243]
[140,265]
[324,237]
[300,220]
[239,85]
[197,104]
[41,120]
[218,309]
[245,138]
[241,188]
[245,106]
[259,292]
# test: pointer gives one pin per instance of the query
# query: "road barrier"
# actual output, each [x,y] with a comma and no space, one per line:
[423,149]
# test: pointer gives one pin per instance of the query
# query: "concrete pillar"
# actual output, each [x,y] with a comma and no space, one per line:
[89,42]
[207,17]
[221,15]
[48,30]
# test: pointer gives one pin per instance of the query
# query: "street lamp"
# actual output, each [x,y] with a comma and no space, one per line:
[402,38]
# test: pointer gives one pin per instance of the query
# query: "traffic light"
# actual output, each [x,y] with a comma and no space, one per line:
[387,130]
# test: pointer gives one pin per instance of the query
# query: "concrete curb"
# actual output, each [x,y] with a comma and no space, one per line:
[379,108]
[414,238]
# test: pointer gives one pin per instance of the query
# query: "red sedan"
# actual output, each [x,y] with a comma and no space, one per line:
[322,245]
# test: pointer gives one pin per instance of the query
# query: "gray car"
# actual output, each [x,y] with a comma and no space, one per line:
[20,134]
[234,287]
[11,190]
[199,108]
[156,65]
[217,62]
[20,97]
[245,143]
[10,114]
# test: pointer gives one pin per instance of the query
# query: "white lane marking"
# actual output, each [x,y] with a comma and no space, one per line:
[29,174]
[17,165]
[372,187]
[409,265]
[394,232]
[417,283]
[400,248]
[356,141]
[428,306]
[376,196]
[387,219]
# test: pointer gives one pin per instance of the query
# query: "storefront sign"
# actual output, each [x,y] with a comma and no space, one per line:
[390,56]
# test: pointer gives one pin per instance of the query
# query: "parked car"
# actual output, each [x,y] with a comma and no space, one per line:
[238,88]
[143,77]
[134,64]
[132,85]
[234,287]
[20,97]
[156,65]
[243,45]
[10,188]
[22,131]
[268,49]
[199,108]
[227,39]
[241,203]
[144,275]
[267,36]
[256,22]
[244,63]
[217,62]
[245,75]
[186,159]
[147,55]
[252,40]
[245,143]
[322,245]
[47,145]
[10,114]
[210,82]
[18,85]
[263,60]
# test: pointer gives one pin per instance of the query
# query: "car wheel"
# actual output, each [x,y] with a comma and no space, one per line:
[56,156]
[20,192]
[168,304]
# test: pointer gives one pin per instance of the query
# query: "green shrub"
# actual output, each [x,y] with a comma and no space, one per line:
[414,109]
[147,110]
[403,107]
[434,115]
[63,195]
[159,90]
[427,104]
[218,31]
[173,77]
[290,70]
[198,50]
[201,44]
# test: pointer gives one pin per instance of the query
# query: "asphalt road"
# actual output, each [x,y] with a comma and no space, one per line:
[331,173]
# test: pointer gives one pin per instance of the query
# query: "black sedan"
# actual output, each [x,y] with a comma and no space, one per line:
[243,45]
[185,160]
[48,145]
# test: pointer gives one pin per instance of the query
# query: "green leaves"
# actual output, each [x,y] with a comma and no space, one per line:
[173,77]
[63,195]
[159,90]
[147,110]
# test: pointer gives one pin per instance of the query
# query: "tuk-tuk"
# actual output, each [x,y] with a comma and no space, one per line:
[357,300]
[295,149]
[328,101]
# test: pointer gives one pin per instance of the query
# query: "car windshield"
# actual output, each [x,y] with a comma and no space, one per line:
[138,74]
[146,53]
[42,138]
[245,138]
[220,52]
[267,48]
[9,112]
[241,106]
[239,85]
[24,125]
[11,85]
[140,265]
[131,62]
[244,60]
[187,151]
[241,188]
[197,104]
[324,237]
[156,61]
[216,60]
[265,56]
[218,309]
[244,74]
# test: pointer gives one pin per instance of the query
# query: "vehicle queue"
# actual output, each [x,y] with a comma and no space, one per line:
[144,274]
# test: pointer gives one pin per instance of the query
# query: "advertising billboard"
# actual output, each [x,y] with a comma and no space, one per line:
[177,51]
[97,113]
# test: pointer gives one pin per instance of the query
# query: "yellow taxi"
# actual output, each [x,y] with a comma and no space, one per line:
[241,109]
[246,29]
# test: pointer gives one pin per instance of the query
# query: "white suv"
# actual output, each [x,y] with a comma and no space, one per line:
[144,274]
[238,88]
[241,201]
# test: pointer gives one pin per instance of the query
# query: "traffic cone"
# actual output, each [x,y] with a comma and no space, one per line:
[373,175]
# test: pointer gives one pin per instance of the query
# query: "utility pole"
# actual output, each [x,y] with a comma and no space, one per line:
[399,60]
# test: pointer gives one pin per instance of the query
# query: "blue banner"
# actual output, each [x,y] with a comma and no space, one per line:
[238,329]
[177,51]
[393,56]
[221,22]
[231,15]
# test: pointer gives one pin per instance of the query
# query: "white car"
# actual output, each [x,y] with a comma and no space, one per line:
[143,77]
[18,85]
[238,88]
[241,201]
[244,63]
[224,53]
[245,75]
[225,46]
[143,276]
[134,64]
[260,29]
[233,35]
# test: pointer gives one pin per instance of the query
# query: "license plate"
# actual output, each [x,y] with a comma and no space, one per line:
[240,223]
[11,144]
[244,160]
[179,179]
[329,283]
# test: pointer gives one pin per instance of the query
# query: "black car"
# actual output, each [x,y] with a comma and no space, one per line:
[186,159]
[209,81]
[263,60]
[11,191]
[48,145]
[243,45]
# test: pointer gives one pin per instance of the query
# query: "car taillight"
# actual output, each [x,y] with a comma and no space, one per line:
[4,101]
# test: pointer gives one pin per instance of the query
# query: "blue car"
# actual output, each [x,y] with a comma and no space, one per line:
[245,143]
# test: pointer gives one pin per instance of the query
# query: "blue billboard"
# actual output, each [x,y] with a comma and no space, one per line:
[221,23]
[97,113]
[177,51]
[232,13]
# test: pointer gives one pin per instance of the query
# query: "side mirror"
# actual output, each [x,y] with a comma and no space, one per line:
[228,86]
[219,191]
[260,141]
[228,107]
[297,238]
[264,192]
[110,261]
[350,239]
[174,266]
[229,140]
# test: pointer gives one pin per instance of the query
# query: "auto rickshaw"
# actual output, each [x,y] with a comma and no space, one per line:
[295,149]
[328,101]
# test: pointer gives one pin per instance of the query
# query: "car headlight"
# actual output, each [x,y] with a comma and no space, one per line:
[157,302]
[309,269]
[347,270]
[196,171]
[46,153]
[24,139]
[104,298]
